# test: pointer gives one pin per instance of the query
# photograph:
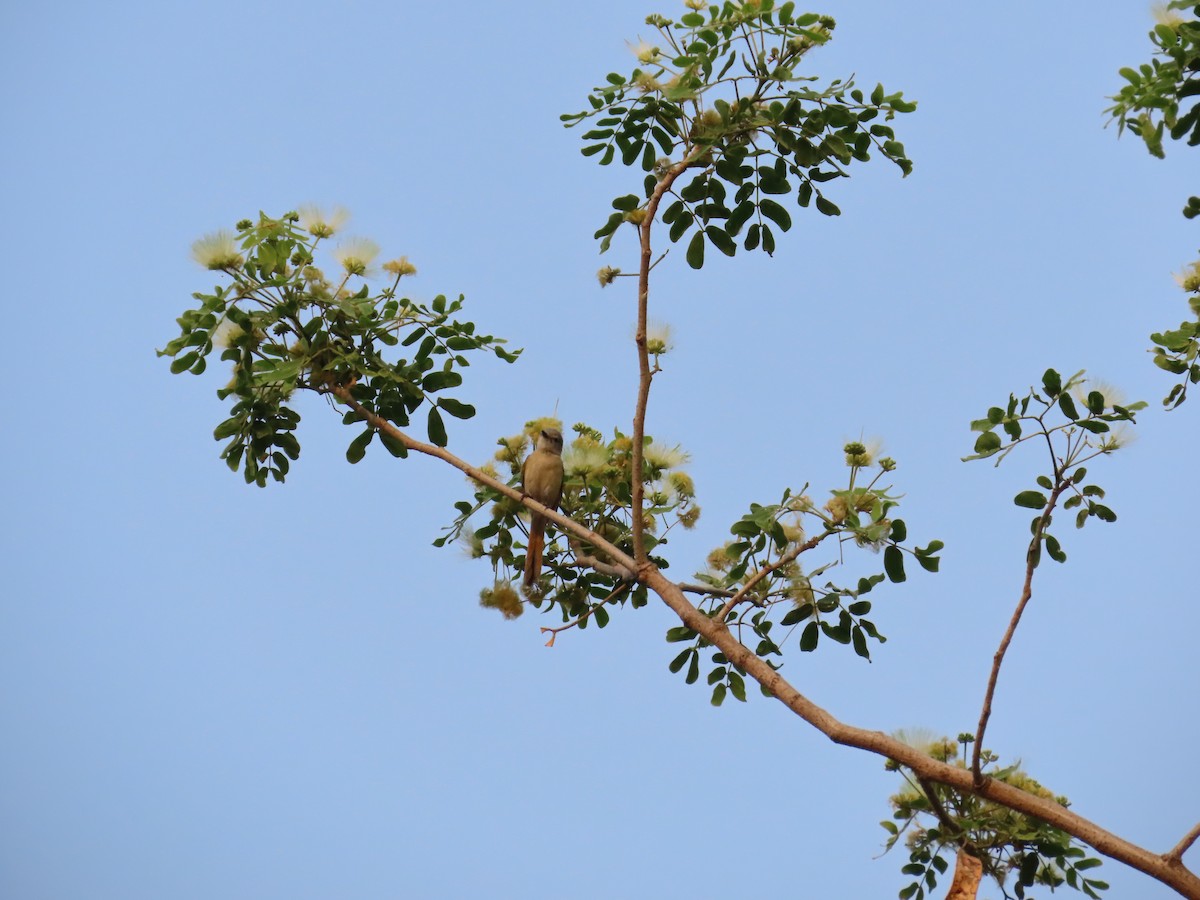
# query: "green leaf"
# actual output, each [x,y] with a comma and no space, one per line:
[1055,549]
[893,564]
[679,633]
[358,447]
[393,446]
[456,409]
[228,428]
[1052,382]
[1067,405]
[737,686]
[899,530]
[796,615]
[184,362]
[988,442]
[436,381]
[720,240]
[775,213]
[693,673]
[825,207]
[809,637]
[718,695]
[436,428]
[1031,499]
[678,661]
[860,642]
[695,250]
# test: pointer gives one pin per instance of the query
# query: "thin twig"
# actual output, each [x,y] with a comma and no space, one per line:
[644,372]
[689,588]
[584,559]
[767,570]
[591,609]
[1031,562]
[939,811]
[1175,854]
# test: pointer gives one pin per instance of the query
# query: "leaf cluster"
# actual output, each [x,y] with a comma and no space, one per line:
[722,94]
[1160,97]
[756,583]
[937,821]
[284,326]
[1178,350]
[1075,422]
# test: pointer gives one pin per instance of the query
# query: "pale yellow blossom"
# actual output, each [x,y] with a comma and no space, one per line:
[217,250]
[356,255]
[321,224]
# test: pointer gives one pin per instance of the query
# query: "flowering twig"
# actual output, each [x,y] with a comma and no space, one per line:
[767,570]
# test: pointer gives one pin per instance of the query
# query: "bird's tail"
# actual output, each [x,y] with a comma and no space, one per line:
[533,552]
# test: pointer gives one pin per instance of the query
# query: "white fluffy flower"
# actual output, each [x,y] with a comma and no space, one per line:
[320,224]
[356,255]
[218,250]
[645,53]
[660,456]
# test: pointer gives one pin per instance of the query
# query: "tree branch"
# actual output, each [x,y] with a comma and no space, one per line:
[767,570]
[554,632]
[1175,854]
[1031,561]
[583,559]
[1169,872]
[1167,869]
[939,811]
[644,372]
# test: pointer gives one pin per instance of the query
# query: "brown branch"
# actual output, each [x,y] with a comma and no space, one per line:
[644,372]
[1168,870]
[1171,873]
[1031,562]
[968,872]
[767,570]
[1175,854]
[689,588]
[939,811]
[623,572]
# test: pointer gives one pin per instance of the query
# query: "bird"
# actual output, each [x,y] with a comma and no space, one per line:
[541,479]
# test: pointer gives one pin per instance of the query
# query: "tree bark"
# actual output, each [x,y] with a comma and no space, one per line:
[968,872]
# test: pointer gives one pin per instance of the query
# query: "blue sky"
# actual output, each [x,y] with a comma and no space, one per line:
[210,690]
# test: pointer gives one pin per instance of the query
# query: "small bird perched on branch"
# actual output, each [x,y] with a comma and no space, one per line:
[541,479]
